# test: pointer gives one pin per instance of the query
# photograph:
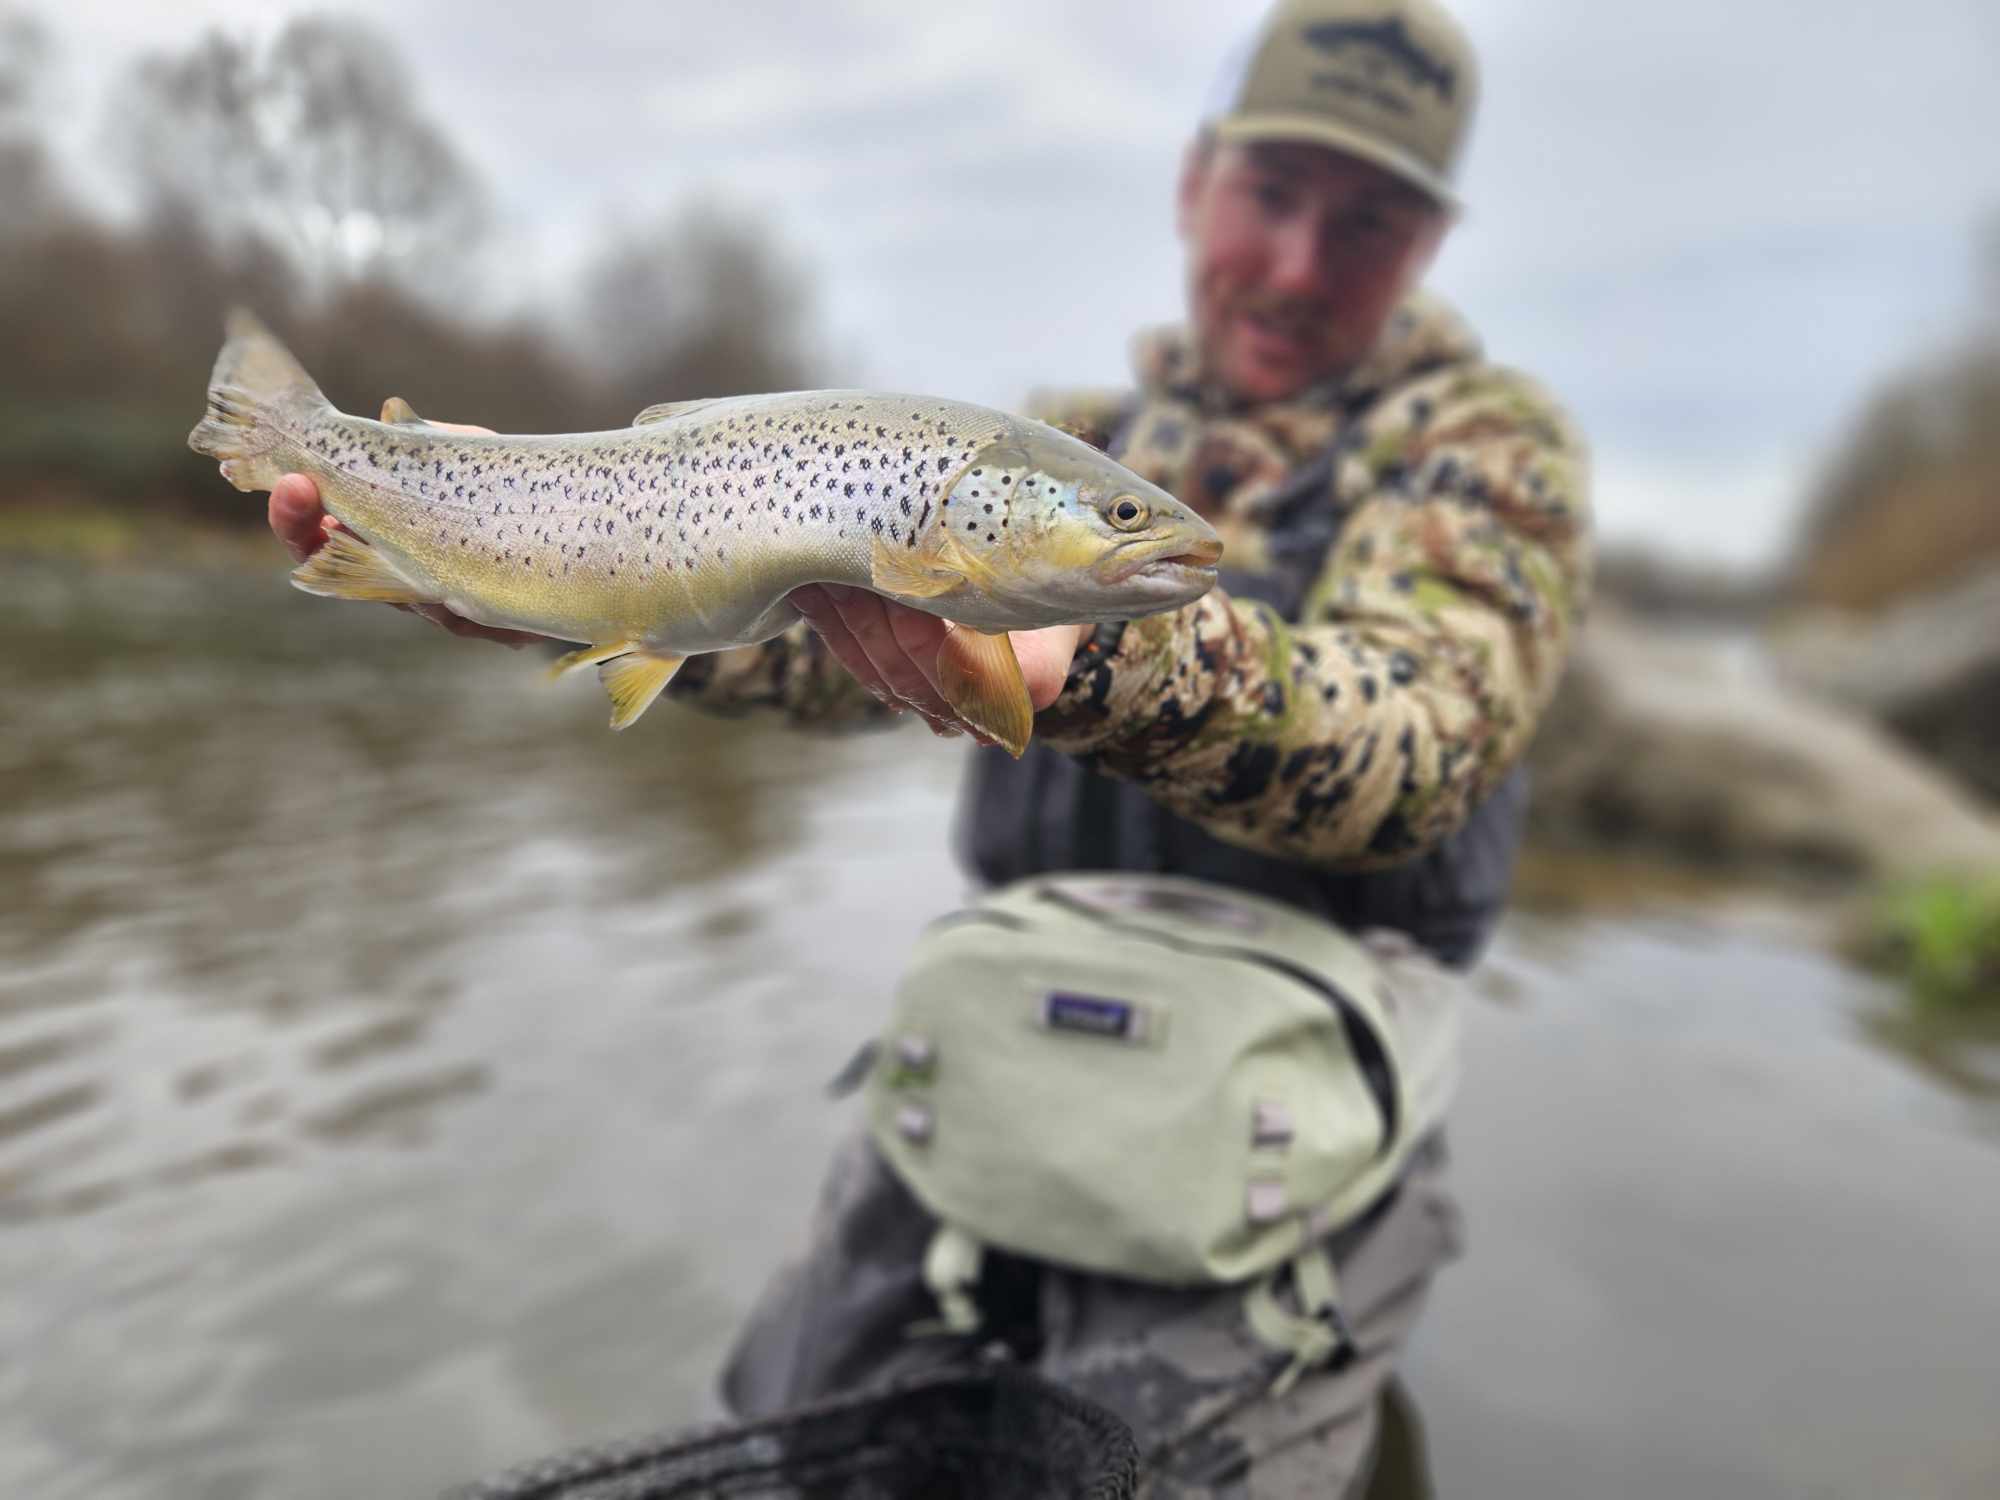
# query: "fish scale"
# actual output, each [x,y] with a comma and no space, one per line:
[685,532]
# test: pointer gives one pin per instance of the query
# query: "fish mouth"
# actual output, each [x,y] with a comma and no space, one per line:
[1189,559]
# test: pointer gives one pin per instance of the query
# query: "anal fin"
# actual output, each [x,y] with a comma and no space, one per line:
[346,567]
[982,681]
[634,681]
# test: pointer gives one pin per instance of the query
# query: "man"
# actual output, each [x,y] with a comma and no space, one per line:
[1336,725]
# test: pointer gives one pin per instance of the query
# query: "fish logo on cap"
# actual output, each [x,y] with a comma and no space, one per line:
[1391,43]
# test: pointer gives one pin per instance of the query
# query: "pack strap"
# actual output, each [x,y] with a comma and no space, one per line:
[951,1269]
[1316,1333]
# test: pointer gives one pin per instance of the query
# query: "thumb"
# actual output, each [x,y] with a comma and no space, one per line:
[295,515]
[1045,656]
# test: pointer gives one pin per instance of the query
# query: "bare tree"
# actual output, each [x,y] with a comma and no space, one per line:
[1989,275]
[24,52]
[29,199]
[698,304]
[318,147]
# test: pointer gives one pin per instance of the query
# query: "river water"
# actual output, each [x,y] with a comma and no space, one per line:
[402,1076]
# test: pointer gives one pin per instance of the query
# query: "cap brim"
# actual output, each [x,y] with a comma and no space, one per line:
[1316,130]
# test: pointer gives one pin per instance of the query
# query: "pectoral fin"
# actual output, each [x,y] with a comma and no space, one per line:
[912,575]
[346,567]
[926,572]
[634,681]
[982,681]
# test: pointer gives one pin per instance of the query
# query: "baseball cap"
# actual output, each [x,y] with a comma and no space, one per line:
[1393,82]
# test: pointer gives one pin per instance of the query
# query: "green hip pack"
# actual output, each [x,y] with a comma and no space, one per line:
[1149,1077]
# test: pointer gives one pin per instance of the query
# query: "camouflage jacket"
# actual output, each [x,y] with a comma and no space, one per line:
[1365,730]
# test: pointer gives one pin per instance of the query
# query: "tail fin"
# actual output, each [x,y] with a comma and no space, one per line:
[255,380]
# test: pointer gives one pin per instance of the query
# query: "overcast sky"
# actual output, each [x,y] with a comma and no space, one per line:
[1709,225]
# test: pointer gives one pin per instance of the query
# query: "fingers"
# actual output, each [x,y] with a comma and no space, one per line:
[901,644]
[296,517]
[816,603]
[892,657]
[893,650]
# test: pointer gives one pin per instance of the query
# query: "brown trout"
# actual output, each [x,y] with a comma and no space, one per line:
[684,532]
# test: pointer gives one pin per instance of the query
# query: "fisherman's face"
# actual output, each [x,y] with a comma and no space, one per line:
[1297,255]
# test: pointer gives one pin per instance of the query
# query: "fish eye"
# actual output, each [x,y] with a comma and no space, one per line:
[1127,513]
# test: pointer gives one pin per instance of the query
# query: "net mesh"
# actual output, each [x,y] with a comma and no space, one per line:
[993,1435]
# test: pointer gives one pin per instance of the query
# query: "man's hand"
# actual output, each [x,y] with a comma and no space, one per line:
[893,650]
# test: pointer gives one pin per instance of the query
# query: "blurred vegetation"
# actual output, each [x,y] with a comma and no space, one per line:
[306,180]
[1912,500]
[1942,936]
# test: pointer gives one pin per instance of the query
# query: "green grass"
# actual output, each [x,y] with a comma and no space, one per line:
[1942,937]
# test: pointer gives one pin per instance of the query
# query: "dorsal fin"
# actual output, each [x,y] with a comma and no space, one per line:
[666,409]
[400,413]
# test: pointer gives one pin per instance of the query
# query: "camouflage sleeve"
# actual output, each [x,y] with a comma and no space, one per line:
[793,674]
[1426,651]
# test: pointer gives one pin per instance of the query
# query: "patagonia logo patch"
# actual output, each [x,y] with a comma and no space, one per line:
[1093,1015]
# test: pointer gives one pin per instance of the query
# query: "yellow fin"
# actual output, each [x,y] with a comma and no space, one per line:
[590,656]
[634,681]
[909,573]
[348,568]
[399,412]
[953,557]
[982,680]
